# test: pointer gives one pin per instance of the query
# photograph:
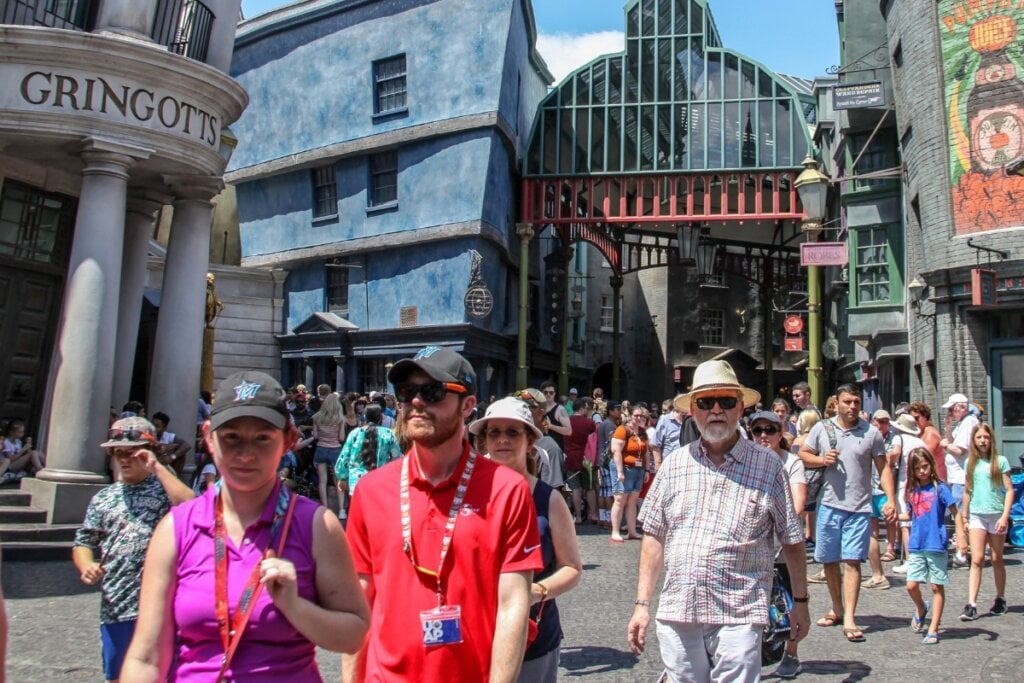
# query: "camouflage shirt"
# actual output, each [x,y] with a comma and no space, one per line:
[117,528]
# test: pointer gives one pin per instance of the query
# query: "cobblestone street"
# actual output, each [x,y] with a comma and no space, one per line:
[54,633]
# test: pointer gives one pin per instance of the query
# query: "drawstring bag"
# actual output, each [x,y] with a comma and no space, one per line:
[776,631]
[533,625]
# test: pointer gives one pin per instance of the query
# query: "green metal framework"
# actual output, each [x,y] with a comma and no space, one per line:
[674,131]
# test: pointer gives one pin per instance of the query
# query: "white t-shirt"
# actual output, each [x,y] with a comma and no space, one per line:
[956,472]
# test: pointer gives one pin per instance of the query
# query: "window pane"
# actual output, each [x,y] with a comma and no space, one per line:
[383,178]
[389,84]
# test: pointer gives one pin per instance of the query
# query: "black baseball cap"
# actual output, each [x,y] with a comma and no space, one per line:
[440,363]
[249,394]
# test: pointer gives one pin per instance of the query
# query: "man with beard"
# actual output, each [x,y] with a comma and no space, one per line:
[710,519]
[846,448]
[445,542]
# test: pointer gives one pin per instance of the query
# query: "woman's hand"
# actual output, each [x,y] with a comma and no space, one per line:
[92,574]
[278,576]
[1002,525]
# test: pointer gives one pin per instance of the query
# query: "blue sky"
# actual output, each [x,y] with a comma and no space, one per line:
[796,37]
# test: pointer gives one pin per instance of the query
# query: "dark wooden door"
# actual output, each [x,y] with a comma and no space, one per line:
[29,311]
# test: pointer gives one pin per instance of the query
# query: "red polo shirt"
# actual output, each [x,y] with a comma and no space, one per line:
[496,532]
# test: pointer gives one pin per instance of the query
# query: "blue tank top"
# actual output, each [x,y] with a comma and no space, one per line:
[549,631]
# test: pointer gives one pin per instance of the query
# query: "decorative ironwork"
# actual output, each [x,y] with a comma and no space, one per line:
[479,301]
[184,27]
[75,15]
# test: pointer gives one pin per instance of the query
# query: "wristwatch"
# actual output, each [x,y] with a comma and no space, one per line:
[642,603]
[805,598]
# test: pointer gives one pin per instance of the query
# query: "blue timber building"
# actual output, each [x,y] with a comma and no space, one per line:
[378,166]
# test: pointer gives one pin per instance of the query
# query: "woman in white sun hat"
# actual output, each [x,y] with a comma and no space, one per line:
[507,433]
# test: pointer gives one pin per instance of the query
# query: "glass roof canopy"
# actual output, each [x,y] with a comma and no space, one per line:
[674,101]
[674,133]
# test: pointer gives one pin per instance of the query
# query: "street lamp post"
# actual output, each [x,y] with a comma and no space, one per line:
[812,186]
[525,233]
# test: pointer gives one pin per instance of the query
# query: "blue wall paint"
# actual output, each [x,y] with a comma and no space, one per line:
[454,54]
[440,181]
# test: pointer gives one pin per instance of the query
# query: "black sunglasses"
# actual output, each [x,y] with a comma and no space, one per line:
[761,431]
[708,402]
[128,435]
[432,392]
[510,434]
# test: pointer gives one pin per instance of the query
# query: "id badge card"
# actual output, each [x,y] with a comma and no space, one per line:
[442,625]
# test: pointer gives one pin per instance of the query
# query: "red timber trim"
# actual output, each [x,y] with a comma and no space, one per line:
[708,197]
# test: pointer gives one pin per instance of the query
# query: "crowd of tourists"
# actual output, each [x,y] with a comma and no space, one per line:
[424,535]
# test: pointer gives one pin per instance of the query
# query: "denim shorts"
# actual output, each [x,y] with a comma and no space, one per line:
[926,566]
[841,535]
[958,494]
[634,479]
[115,638]
[326,455]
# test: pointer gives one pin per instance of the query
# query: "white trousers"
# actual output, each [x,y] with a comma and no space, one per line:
[696,653]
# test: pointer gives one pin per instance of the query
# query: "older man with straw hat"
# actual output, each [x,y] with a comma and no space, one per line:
[710,519]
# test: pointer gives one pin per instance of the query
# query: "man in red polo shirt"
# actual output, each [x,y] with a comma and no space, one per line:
[449,580]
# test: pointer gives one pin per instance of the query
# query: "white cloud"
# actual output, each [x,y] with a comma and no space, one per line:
[564,53]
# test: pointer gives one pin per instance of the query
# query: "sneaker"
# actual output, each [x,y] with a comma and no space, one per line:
[998,607]
[8,477]
[960,560]
[789,667]
[809,545]
[817,578]
[970,613]
[901,568]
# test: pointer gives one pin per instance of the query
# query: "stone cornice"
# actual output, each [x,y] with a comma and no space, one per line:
[392,138]
[391,240]
[128,58]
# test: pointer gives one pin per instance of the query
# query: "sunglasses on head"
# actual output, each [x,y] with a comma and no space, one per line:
[119,434]
[708,402]
[431,392]
[765,431]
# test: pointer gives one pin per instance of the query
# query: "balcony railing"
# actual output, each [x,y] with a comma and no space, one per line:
[184,27]
[76,15]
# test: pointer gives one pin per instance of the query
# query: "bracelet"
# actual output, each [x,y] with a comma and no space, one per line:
[642,603]
[806,598]
[543,589]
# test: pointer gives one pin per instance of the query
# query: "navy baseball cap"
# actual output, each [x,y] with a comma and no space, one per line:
[249,394]
[440,363]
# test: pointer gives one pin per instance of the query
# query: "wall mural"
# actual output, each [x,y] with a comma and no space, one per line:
[983,68]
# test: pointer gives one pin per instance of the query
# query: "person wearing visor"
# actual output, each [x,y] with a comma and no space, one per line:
[110,547]
[246,581]
[445,542]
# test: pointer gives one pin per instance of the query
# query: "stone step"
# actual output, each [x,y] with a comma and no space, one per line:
[16,514]
[14,498]
[34,551]
[11,533]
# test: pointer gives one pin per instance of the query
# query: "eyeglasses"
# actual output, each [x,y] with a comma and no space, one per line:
[708,402]
[639,416]
[431,392]
[549,391]
[510,434]
[764,431]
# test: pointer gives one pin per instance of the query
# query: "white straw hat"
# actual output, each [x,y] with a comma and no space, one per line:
[506,409]
[715,374]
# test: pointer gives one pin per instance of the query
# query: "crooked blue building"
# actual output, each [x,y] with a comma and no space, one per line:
[377,167]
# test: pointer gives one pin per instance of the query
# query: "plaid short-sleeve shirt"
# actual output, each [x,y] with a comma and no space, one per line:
[719,526]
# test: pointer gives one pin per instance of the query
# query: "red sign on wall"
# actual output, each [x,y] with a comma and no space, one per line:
[794,344]
[983,287]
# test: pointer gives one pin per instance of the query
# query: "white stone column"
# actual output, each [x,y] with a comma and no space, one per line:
[84,363]
[222,34]
[178,349]
[131,17]
[138,231]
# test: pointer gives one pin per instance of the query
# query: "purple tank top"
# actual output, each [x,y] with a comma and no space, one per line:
[271,648]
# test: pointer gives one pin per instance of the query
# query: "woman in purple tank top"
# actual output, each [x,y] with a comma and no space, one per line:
[244,582]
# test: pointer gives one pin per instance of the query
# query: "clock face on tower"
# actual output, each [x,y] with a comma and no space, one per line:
[996,137]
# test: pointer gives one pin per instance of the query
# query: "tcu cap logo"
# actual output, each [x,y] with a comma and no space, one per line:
[427,352]
[246,391]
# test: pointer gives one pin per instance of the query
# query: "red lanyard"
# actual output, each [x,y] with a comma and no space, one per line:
[449,530]
[231,637]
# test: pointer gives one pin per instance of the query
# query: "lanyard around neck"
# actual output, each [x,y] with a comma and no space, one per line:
[449,530]
[231,636]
